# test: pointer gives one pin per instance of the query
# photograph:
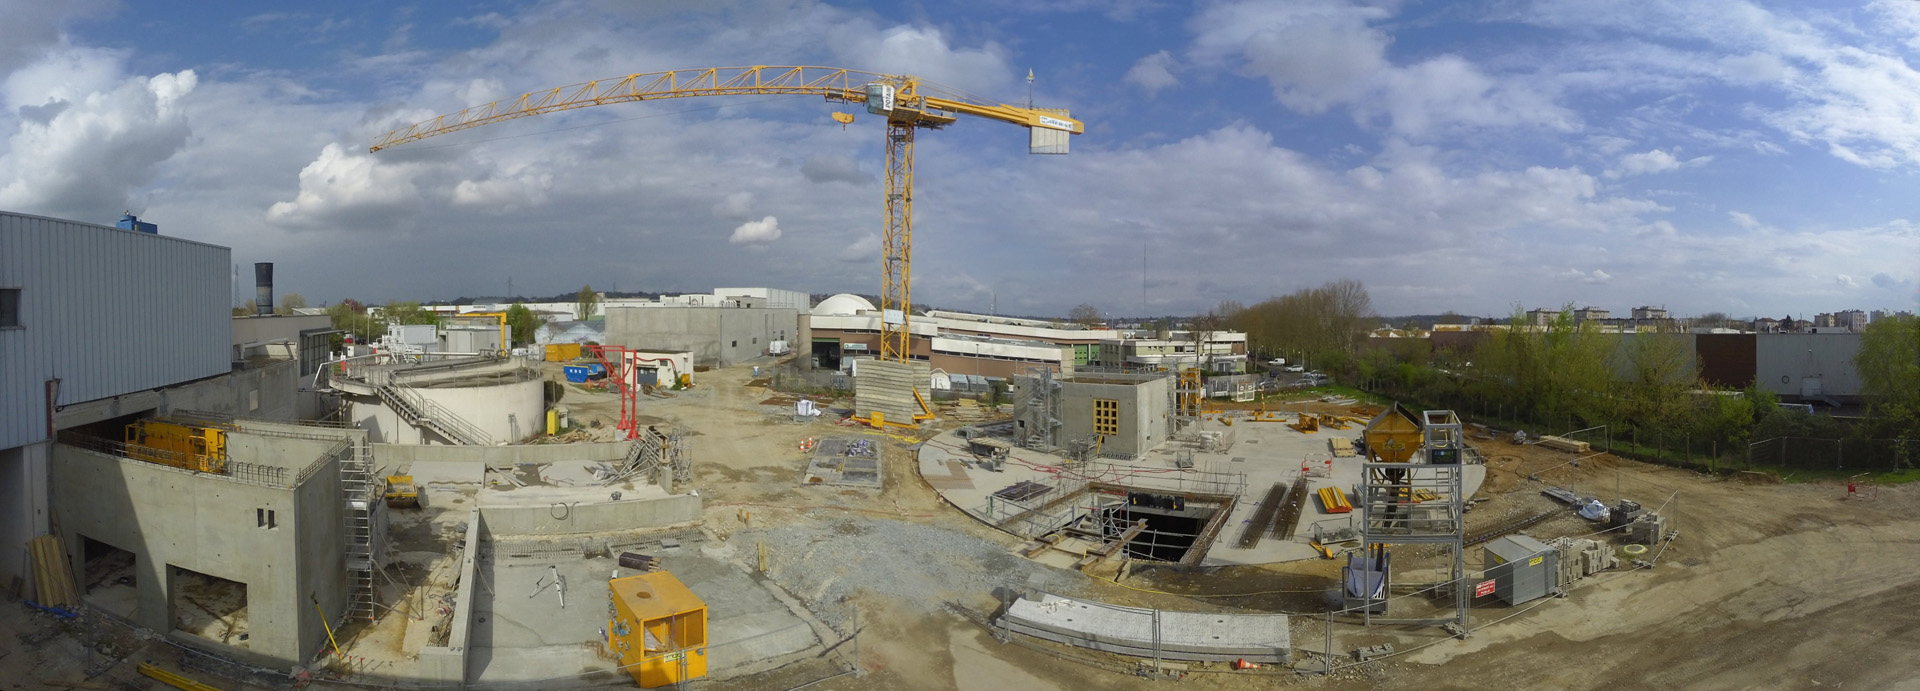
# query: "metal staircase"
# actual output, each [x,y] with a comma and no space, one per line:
[422,412]
[356,483]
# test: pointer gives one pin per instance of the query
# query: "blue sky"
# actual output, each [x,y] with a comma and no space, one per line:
[1706,156]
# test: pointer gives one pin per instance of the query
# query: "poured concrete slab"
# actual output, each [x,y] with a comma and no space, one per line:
[1259,638]
[522,637]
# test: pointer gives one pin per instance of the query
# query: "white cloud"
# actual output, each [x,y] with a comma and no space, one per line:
[735,206]
[828,167]
[923,52]
[1845,281]
[94,142]
[758,232]
[866,248]
[1655,161]
[507,192]
[1594,277]
[343,189]
[1153,72]
[33,26]
[1747,222]
[1319,54]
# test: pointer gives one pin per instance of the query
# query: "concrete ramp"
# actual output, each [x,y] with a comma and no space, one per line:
[888,387]
[1258,638]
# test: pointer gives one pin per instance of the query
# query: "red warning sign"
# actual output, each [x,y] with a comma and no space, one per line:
[1484,589]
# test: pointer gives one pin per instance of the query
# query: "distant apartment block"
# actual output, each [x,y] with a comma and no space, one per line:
[1591,314]
[1650,313]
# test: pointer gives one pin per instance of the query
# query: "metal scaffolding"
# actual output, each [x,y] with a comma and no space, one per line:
[1038,421]
[1421,504]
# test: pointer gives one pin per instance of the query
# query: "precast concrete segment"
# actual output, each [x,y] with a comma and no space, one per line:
[1202,636]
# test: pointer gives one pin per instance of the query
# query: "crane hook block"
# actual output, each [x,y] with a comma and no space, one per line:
[843,118]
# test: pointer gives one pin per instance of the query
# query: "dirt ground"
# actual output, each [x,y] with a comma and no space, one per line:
[1768,586]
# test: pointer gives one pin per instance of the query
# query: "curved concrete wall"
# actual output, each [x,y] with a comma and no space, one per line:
[485,407]
[489,407]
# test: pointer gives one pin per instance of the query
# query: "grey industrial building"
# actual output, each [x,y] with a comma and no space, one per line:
[103,326]
[95,321]
[717,336]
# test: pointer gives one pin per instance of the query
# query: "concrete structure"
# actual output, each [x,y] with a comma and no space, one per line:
[1131,413]
[717,336]
[1650,313]
[271,521]
[1585,314]
[304,339]
[464,400]
[1203,636]
[99,314]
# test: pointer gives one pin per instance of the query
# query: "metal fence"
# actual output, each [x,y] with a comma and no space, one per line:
[1833,454]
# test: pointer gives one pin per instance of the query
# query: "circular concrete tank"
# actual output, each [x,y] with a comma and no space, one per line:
[509,407]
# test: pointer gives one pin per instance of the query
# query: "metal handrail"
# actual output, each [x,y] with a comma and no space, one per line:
[428,412]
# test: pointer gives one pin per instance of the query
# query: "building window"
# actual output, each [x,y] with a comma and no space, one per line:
[1106,416]
[264,518]
[9,308]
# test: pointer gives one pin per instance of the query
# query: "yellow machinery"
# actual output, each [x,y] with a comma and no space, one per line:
[1393,435]
[1308,424]
[659,629]
[563,352]
[401,492]
[908,104]
[181,446]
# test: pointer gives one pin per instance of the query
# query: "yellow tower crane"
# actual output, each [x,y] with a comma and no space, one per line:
[908,103]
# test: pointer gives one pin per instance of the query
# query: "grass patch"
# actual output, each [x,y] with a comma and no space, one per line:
[1804,476]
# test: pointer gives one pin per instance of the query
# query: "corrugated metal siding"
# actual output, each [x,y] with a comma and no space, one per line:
[108,312]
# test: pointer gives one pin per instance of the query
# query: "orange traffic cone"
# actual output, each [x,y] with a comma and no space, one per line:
[1242,663]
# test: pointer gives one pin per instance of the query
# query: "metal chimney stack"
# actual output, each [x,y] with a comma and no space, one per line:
[263,288]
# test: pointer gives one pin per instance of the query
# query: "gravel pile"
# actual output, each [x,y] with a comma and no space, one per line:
[824,561]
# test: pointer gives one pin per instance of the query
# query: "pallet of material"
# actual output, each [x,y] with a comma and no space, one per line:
[1308,423]
[1565,444]
[52,572]
[1342,448]
[1334,501]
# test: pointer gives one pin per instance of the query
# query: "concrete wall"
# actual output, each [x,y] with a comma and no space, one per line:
[485,407]
[24,508]
[1783,363]
[1142,408]
[717,336]
[449,664]
[392,455]
[207,523]
[562,519]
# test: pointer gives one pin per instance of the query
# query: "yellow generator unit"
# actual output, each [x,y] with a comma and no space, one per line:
[659,630]
[203,449]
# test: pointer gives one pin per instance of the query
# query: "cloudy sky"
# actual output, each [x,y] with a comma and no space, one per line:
[1706,155]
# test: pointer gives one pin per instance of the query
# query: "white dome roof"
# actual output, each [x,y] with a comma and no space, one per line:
[842,304]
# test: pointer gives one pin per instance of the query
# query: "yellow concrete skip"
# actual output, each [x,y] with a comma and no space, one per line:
[1334,500]
[173,680]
